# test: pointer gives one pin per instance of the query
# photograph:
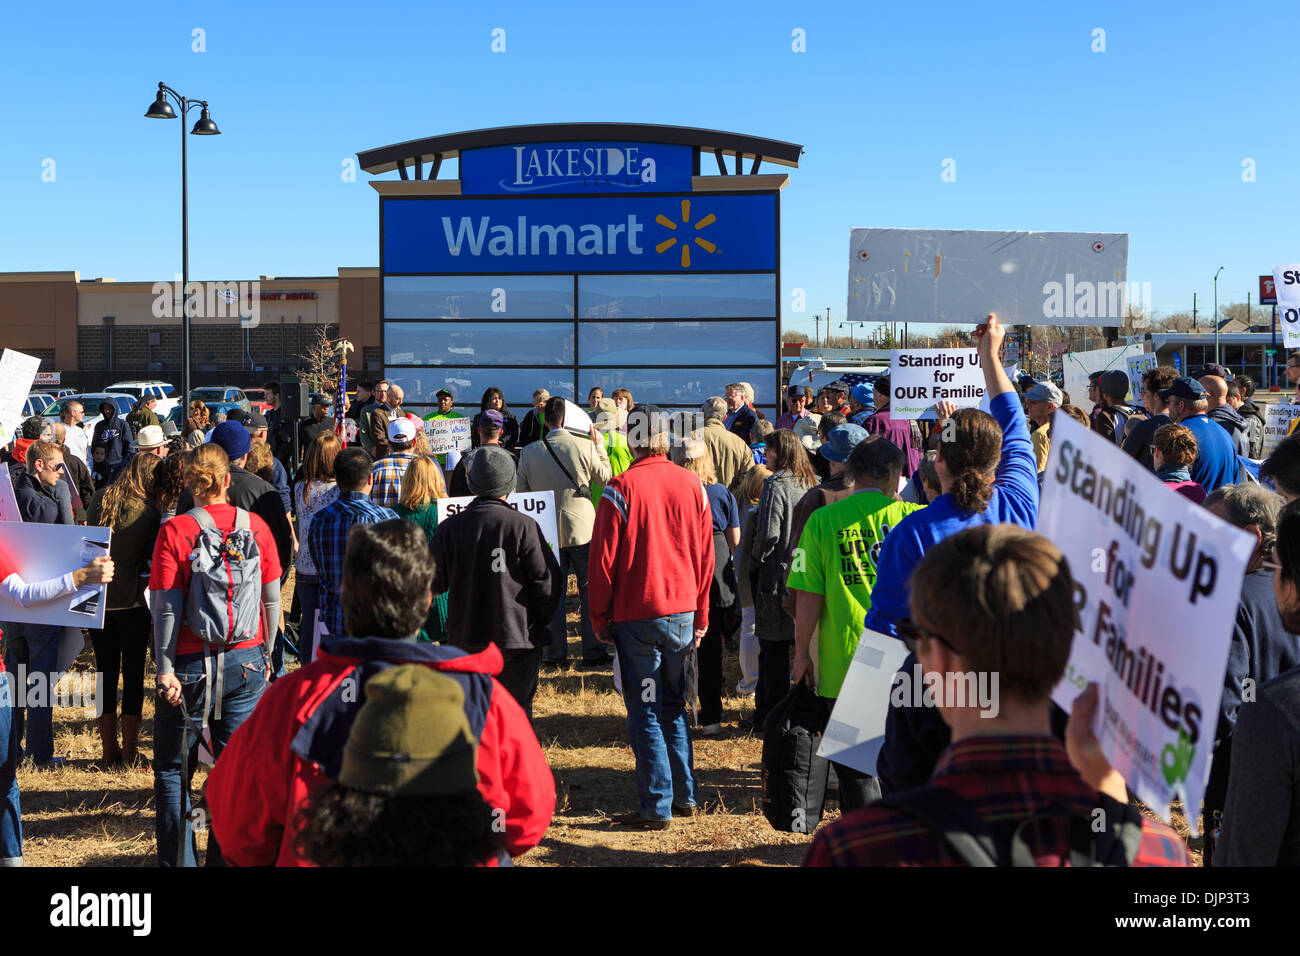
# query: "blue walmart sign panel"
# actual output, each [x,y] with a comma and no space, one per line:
[583,167]
[699,233]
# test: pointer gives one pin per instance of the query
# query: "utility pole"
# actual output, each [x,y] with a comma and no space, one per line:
[1195,327]
[817,328]
[828,325]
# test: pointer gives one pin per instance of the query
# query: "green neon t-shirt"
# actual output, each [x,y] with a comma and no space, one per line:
[836,558]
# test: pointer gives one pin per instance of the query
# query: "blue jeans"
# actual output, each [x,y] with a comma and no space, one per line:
[574,559]
[36,647]
[652,663]
[11,822]
[244,673]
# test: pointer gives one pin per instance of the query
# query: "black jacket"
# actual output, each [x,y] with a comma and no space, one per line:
[503,579]
[1231,422]
[530,429]
[509,433]
[113,435]
[36,503]
[309,428]
[251,493]
[83,480]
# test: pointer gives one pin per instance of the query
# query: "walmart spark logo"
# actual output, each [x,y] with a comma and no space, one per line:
[686,243]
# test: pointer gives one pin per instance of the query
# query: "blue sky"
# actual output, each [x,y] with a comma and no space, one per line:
[1146,138]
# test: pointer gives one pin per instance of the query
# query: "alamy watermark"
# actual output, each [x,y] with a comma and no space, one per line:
[1085,299]
[79,690]
[209,300]
[952,689]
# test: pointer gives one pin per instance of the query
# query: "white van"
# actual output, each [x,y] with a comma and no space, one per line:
[159,390]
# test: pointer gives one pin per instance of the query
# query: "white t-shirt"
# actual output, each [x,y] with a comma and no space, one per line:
[78,442]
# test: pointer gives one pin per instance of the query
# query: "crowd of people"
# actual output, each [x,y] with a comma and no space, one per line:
[405,735]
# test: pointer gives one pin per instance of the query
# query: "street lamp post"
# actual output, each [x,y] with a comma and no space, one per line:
[1217,360]
[162,109]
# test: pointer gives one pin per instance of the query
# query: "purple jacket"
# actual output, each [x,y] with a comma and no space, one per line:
[898,432]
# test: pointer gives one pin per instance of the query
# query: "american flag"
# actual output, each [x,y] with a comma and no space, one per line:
[340,401]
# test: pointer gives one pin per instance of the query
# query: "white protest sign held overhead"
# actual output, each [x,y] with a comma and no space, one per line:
[17,372]
[448,434]
[1286,283]
[576,419]
[960,276]
[1137,366]
[39,552]
[918,378]
[538,505]
[1156,585]
[1077,366]
[1277,422]
[856,729]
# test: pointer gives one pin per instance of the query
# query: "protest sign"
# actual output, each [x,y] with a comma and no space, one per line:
[575,419]
[856,729]
[1137,366]
[1277,422]
[1286,284]
[538,505]
[447,434]
[17,371]
[1025,278]
[8,500]
[1156,585]
[1077,366]
[39,552]
[918,378]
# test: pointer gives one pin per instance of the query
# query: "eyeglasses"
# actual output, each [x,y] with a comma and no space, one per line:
[910,634]
[1270,564]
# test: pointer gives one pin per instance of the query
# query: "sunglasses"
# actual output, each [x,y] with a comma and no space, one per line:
[911,634]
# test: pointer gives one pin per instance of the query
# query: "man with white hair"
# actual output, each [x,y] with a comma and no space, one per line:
[382,415]
[740,416]
[731,454]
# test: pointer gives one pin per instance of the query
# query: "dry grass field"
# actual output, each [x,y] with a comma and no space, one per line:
[86,814]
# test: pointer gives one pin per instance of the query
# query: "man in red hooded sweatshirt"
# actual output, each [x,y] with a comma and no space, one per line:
[292,745]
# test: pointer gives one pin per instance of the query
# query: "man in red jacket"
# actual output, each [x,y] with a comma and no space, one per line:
[292,745]
[649,575]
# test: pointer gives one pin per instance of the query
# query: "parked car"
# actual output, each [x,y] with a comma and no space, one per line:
[90,402]
[220,398]
[36,404]
[159,390]
[257,399]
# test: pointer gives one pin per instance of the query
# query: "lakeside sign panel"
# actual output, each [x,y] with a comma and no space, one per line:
[959,276]
[666,234]
[576,167]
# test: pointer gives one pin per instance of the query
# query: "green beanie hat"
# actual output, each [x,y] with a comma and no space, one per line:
[412,737]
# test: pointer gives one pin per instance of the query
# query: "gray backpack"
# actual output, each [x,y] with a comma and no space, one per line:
[224,605]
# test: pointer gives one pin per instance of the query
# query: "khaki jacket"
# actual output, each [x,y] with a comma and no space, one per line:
[586,461]
[732,458]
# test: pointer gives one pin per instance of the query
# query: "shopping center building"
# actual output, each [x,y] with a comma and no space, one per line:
[570,256]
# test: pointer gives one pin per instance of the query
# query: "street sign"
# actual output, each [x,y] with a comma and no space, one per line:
[1267,293]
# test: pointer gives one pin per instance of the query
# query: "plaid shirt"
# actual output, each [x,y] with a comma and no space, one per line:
[387,477]
[1005,779]
[328,542]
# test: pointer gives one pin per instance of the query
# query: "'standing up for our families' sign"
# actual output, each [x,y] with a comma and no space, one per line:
[538,505]
[1277,423]
[920,378]
[1156,585]
[1286,284]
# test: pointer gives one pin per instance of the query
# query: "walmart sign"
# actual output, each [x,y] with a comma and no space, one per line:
[698,233]
[582,167]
